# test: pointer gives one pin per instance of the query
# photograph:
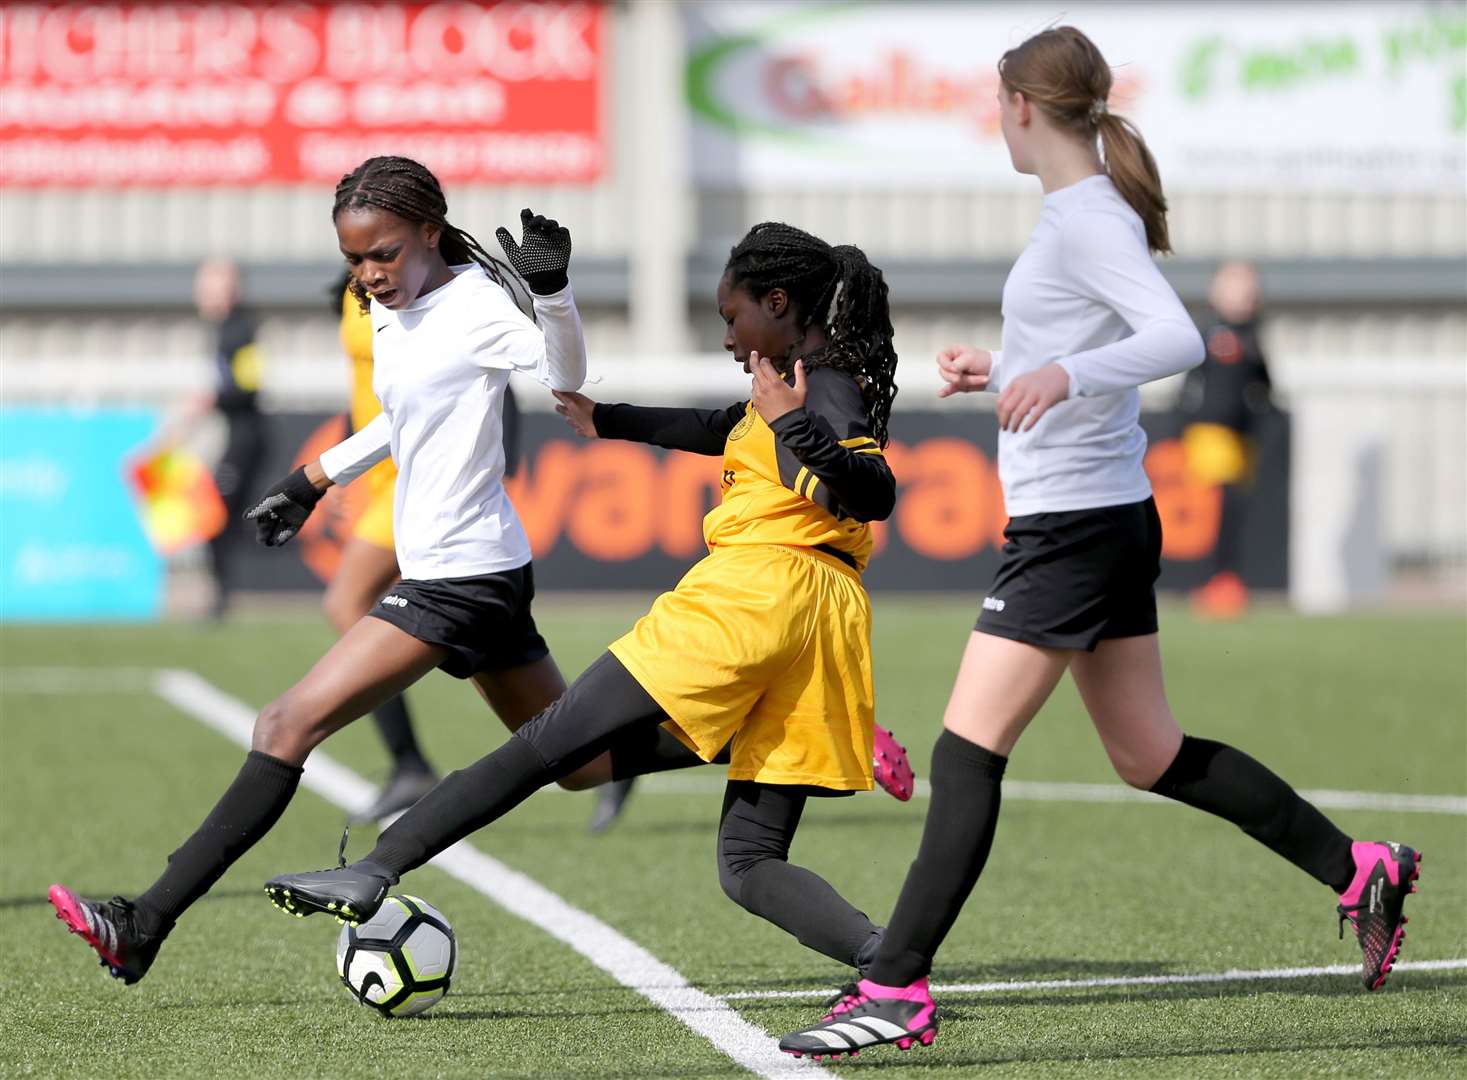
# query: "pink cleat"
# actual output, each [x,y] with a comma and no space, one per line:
[1374,904]
[870,1015]
[890,767]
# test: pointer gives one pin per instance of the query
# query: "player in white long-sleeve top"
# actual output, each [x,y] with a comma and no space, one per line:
[447,334]
[1087,319]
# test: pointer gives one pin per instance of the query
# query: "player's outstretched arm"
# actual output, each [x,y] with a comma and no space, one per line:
[698,431]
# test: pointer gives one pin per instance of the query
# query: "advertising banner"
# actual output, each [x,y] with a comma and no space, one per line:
[620,515]
[71,542]
[248,93]
[1301,96]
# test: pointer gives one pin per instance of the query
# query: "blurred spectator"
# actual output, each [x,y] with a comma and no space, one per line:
[235,393]
[1223,401]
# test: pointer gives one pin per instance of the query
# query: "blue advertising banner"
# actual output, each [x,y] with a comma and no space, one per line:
[71,543]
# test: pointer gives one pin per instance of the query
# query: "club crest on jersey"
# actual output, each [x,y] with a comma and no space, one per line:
[742,427]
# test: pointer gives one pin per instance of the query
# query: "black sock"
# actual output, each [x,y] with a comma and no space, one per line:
[396,729]
[597,710]
[244,814]
[650,750]
[962,815]
[464,801]
[1215,777]
[804,904]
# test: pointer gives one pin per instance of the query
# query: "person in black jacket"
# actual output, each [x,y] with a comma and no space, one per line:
[1224,400]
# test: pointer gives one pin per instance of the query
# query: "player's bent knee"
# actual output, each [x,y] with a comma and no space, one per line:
[283,732]
[1139,773]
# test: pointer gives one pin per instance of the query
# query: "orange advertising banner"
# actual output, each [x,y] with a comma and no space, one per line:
[247,93]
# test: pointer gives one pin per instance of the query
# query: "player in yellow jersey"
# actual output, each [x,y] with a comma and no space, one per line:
[763,649]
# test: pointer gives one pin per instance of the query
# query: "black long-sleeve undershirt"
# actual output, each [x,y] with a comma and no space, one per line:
[854,482]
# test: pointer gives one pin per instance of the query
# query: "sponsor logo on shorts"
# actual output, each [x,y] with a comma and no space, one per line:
[991,603]
[394,601]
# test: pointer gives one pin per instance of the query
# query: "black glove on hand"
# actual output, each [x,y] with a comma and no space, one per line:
[284,509]
[542,255]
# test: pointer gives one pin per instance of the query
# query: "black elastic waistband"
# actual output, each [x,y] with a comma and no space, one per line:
[844,556]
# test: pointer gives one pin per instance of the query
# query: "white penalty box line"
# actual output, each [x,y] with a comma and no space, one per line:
[1022,985]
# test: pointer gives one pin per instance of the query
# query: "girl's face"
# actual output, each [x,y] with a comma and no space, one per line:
[1016,119]
[391,257]
[766,326]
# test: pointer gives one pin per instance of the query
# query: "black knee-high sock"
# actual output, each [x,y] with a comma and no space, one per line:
[1215,777]
[755,831]
[595,712]
[803,903]
[396,729]
[464,801]
[242,816]
[962,815]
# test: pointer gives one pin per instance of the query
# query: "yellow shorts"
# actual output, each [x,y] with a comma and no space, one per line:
[769,647]
[374,524]
[1217,454]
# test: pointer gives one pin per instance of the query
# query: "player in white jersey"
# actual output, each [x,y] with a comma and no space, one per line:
[447,334]
[1087,319]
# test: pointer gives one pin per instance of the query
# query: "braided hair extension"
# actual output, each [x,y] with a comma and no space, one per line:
[408,189]
[835,288]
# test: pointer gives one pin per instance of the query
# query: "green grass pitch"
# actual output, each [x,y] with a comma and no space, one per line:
[98,782]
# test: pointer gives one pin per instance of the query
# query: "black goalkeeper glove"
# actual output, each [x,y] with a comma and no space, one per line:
[284,509]
[542,255]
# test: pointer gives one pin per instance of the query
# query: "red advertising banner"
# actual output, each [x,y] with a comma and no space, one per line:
[248,93]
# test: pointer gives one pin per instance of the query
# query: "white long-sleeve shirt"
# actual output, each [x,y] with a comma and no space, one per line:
[1086,294]
[440,367]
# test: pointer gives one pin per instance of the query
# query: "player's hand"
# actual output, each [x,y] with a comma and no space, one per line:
[963,370]
[284,509]
[579,412]
[772,396]
[1030,396]
[542,254]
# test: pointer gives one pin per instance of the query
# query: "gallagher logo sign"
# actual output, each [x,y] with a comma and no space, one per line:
[1277,95]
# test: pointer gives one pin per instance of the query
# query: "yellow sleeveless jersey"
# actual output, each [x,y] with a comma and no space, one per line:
[777,479]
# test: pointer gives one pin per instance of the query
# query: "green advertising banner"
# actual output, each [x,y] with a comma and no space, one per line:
[1302,96]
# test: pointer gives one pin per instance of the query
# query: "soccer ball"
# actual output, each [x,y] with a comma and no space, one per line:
[400,960]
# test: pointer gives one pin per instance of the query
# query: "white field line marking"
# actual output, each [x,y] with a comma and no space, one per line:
[76,680]
[1055,791]
[73,680]
[625,961]
[1122,980]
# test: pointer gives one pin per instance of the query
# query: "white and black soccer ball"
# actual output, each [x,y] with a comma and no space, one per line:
[401,960]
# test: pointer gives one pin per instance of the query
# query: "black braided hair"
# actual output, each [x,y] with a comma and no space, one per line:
[408,189]
[832,287]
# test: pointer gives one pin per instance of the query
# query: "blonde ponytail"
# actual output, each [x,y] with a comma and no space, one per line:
[1132,169]
[1061,72]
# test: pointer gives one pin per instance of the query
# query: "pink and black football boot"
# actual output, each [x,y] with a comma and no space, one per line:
[1373,904]
[869,1014]
[113,928]
[889,765]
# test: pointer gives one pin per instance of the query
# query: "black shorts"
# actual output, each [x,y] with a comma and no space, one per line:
[1070,580]
[484,622]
